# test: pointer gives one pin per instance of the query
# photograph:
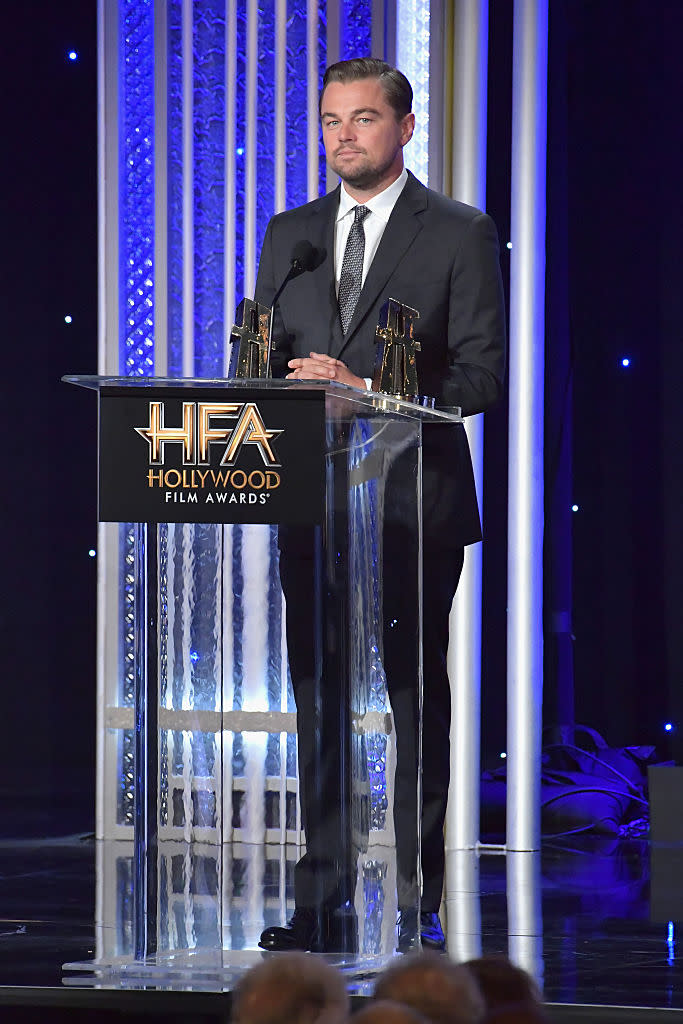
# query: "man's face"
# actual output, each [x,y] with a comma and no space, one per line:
[363,139]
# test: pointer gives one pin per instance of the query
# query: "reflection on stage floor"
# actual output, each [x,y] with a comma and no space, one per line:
[595,921]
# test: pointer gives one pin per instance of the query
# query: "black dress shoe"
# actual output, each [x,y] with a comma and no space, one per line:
[302,932]
[431,932]
[407,931]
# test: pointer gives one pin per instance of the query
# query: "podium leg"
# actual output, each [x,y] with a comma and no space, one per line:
[146,783]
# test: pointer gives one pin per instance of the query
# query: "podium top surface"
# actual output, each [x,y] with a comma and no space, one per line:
[369,401]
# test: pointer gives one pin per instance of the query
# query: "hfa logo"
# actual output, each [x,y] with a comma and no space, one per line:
[198,432]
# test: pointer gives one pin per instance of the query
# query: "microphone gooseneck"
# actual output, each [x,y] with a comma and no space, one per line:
[304,257]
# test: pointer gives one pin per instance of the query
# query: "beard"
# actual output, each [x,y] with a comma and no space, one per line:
[361,174]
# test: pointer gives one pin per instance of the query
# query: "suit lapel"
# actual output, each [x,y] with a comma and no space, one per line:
[324,295]
[337,337]
[402,228]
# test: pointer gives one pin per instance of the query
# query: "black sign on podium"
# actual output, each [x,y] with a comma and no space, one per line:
[234,456]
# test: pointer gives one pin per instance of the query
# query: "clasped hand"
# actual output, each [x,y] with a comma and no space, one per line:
[318,366]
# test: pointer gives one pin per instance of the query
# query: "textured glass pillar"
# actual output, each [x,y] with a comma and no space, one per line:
[296,85]
[208,184]
[355,29]
[174,214]
[412,58]
[136,298]
[136,185]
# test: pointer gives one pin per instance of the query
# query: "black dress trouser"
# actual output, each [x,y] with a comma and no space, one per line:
[325,876]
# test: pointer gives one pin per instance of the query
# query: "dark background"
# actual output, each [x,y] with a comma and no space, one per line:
[49,270]
[614,569]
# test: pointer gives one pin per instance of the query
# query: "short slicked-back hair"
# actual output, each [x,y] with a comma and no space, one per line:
[396,86]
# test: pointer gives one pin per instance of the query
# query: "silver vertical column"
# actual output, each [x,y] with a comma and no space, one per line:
[525,917]
[107,362]
[230,217]
[251,156]
[280,104]
[332,50]
[188,207]
[525,460]
[468,184]
[312,97]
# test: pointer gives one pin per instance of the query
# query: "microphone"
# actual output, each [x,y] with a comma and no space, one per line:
[304,257]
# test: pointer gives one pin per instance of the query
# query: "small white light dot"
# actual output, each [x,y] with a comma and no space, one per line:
[575,508]
[509,245]
[67,319]
[73,55]
[668,727]
[503,755]
[626,361]
[92,553]
[240,151]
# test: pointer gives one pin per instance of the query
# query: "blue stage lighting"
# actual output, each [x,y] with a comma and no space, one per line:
[625,361]
[194,656]
[240,151]
[73,55]
[668,727]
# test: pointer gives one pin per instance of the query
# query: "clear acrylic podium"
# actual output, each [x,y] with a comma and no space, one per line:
[222,849]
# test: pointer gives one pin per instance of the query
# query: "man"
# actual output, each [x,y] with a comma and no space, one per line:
[382,234]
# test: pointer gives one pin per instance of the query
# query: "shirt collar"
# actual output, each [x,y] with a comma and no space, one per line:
[382,204]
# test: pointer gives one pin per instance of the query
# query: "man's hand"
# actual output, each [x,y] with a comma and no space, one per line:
[318,366]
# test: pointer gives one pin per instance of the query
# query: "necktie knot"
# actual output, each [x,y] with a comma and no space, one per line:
[359,214]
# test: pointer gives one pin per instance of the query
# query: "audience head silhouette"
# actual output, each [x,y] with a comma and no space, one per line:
[502,983]
[430,983]
[291,988]
[381,1011]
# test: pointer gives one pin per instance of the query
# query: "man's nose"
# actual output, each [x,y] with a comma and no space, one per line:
[347,132]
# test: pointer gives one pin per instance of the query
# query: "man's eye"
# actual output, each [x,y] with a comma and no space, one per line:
[331,124]
[365,120]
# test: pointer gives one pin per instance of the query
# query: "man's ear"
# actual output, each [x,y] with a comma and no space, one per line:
[407,128]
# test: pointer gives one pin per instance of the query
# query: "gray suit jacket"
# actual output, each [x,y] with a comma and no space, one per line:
[438,256]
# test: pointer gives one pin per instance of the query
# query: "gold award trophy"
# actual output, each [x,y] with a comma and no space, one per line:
[250,341]
[395,365]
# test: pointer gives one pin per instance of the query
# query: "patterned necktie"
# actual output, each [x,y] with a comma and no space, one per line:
[352,268]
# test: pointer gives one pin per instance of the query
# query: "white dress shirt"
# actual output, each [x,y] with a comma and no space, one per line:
[380,207]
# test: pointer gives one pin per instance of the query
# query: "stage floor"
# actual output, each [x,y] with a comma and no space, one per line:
[599,920]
